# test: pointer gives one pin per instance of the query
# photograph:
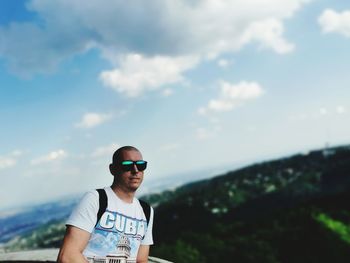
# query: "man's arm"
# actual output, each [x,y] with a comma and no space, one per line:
[74,243]
[142,255]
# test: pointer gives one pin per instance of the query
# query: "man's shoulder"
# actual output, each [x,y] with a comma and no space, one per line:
[95,193]
[90,195]
[89,200]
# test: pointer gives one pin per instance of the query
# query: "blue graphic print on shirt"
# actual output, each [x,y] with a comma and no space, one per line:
[109,230]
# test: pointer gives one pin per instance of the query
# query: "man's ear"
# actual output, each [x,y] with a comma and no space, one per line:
[112,169]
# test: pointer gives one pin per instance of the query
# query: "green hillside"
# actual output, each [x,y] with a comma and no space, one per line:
[49,235]
[293,209]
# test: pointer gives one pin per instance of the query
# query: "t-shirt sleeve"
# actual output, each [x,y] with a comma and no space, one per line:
[148,239]
[84,215]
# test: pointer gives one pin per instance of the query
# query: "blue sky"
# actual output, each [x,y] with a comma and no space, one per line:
[195,85]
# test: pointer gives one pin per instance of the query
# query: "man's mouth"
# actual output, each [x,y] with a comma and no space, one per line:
[134,179]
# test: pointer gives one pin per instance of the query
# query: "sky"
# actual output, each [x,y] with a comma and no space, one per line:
[199,86]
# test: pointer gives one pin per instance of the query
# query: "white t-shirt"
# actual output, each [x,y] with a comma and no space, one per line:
[121,229]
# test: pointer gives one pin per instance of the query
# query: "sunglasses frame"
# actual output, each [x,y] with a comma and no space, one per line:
[130,166]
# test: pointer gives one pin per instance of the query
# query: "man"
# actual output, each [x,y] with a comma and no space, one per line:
[122,233]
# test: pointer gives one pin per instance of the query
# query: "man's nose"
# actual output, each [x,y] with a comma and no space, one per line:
[134,168]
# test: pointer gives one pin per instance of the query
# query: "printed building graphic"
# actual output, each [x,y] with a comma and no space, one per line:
[122,254]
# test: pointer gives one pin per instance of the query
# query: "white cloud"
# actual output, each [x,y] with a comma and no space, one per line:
[269,34]
[167,92]
[10,160]
[340,109]
[16,153]
[138,73]
[107,150]
[323,111]
[6,162]
[52,156]
[233,95]
[90,120]
[154,29]
[338,22]
[223,63]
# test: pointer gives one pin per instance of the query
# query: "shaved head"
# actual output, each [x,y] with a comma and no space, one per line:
[118,153]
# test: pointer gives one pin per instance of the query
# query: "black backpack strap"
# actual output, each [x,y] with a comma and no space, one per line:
[146,210]
[102,203]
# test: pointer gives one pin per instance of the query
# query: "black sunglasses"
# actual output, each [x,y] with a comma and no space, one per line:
[128,165]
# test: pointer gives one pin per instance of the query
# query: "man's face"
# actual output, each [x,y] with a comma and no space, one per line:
[129,181]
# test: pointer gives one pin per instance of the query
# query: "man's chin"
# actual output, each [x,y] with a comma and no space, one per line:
[134,187]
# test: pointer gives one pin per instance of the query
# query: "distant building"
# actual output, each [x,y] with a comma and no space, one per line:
[122,254]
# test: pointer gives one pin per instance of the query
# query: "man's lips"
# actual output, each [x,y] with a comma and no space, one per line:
[135,180]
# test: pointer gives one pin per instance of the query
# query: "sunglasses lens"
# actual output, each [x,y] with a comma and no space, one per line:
[129,165]
[141,165]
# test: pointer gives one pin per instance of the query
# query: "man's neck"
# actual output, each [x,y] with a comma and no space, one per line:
[126,196]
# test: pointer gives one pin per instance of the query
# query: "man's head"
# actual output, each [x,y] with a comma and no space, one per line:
[127,168]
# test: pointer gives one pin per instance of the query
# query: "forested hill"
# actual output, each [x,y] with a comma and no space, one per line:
[294,209]
[317,172]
